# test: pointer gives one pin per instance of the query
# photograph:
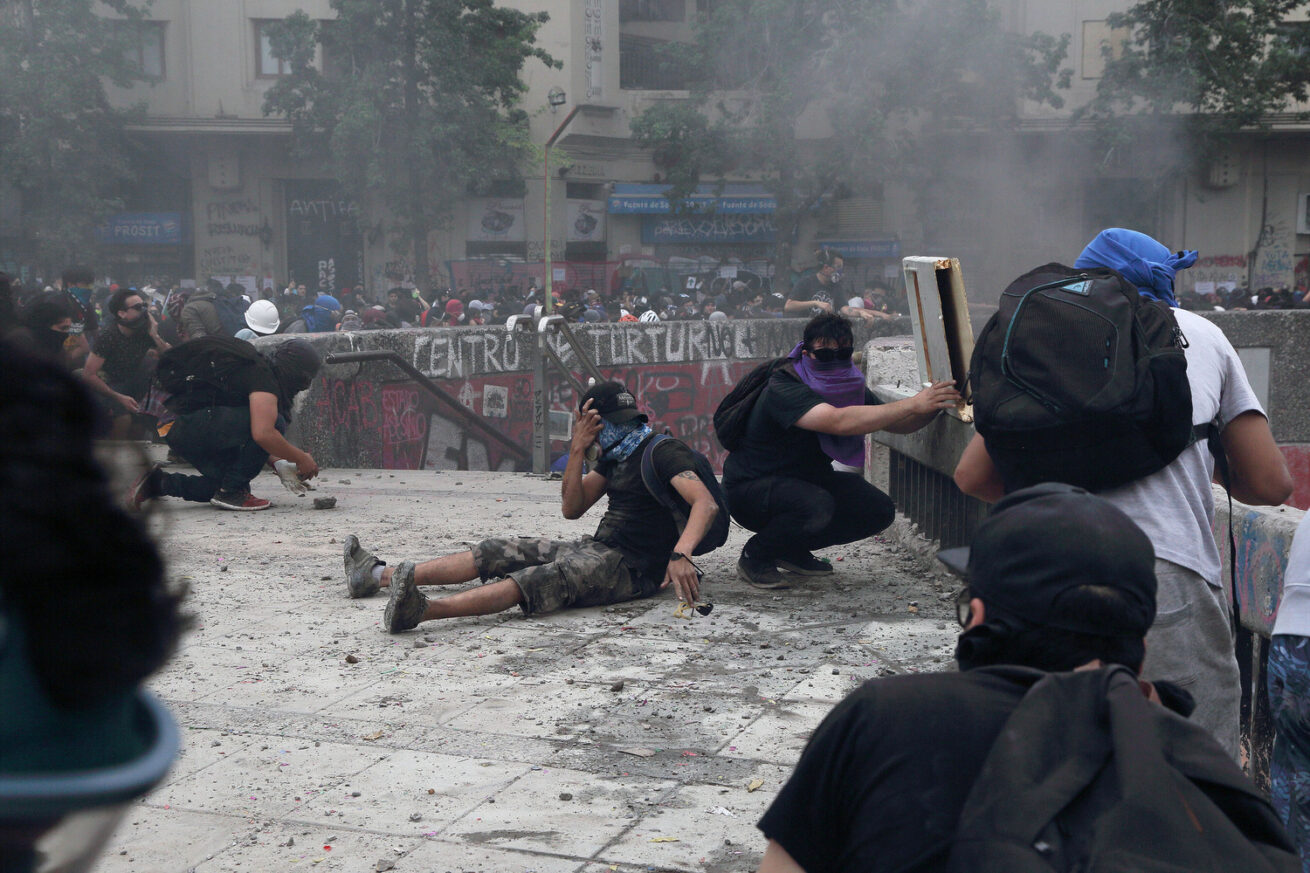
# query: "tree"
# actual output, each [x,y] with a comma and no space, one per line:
[415,106]
[63,148]
[820,97]
[1212,68]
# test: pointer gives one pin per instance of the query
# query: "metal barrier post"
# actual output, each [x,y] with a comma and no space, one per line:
[540,409]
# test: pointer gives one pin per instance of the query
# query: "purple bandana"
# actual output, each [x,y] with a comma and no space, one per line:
[840,384]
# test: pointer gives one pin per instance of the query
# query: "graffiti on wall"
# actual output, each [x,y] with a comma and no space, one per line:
[1273,263]
[397,426]
[1219,269]
[374,416]
[464,353]
[231,244]
[1262,550]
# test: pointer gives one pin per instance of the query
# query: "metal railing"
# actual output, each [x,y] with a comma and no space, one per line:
[541,377]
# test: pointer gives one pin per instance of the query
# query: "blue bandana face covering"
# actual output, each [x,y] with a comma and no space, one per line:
[618,441]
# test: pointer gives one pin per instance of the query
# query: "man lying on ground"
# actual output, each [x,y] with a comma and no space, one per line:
[637,548]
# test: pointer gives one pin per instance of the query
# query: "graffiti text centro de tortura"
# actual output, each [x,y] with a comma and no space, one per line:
[457,354]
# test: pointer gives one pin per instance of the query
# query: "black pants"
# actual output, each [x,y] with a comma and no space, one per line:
[791,515]
[217,442]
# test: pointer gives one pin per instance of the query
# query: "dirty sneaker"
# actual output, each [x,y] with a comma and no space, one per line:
[407,604]
[805,564]
[359,569]
[760,573]
[146,487]
[239,501]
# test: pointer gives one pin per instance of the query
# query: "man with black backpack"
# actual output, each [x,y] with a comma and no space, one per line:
[662,511]
[233,405]
[214,311]
[1092,376]
[784,425]
[1045,752]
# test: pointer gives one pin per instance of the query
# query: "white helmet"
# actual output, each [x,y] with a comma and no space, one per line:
[648,316]
[262,317]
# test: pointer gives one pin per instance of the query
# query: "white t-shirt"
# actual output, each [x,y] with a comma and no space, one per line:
[1175,506]
[1294,607]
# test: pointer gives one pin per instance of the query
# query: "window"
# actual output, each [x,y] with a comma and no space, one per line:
[652,10]
[266,64]
[585,191]
[1294,36]
[1097,37]
[146,51]
[644,66]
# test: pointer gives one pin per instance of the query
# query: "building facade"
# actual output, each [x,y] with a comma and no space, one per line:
[224,197]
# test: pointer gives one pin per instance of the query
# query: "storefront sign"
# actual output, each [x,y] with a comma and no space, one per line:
[863,248]
[740,199]
[708,229]
[141,229]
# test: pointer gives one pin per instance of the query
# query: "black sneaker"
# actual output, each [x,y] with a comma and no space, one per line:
[760,573]
[407,604]
[359,569]
[805,564]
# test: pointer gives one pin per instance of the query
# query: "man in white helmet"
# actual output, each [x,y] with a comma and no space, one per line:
[261,320]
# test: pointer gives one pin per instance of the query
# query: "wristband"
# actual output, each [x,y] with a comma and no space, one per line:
[677,556]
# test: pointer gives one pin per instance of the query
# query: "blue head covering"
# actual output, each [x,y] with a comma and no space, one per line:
[1140,259]
[327,301]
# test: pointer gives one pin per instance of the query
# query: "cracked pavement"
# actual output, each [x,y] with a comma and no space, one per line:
[617,738]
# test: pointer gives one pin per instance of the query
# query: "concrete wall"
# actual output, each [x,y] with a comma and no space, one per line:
[373,415]
[1275,350]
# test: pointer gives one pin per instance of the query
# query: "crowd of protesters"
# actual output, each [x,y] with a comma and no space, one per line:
[1241,298]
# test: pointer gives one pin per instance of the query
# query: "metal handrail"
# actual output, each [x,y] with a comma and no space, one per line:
[432,388]
[558,323]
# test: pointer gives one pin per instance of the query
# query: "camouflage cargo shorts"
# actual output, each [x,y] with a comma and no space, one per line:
[555,574]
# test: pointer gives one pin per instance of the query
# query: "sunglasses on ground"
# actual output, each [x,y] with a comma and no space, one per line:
[827,356]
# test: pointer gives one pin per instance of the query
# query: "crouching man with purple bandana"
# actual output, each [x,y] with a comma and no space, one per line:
[637,550]
[781,482]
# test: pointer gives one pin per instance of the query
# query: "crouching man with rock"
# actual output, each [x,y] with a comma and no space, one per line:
[637,549]
[233,404]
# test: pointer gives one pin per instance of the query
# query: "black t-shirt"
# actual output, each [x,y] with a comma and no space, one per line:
[636,523]
[810,288]
[85,320]
[880,786]
[123,354]
[772,444]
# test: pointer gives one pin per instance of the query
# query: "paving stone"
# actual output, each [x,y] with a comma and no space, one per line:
[498,715]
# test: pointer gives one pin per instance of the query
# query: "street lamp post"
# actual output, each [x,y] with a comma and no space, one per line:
[556,98]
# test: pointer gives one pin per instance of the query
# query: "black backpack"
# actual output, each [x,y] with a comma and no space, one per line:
[231,313]
[197,373]
[734,410]
[1089,776]
[717,535]
[1077,378]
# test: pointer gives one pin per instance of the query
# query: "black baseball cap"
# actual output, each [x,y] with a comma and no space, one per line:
[613,401]
[1040,543]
